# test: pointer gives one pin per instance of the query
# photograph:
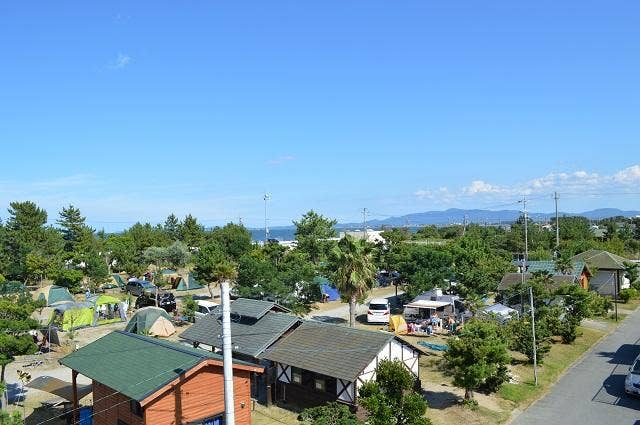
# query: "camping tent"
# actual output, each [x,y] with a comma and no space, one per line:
[107,309]
[502,312]
[188,284]
[398,325]
[70,315]
[152,320]
[115,281]
[326,288]
[52,294]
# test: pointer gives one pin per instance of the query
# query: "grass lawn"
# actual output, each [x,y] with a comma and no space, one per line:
[444,398]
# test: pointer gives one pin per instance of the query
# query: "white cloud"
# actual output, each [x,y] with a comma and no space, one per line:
[576,182]
[121,62]
[480,186]
[281,160]
[630,175]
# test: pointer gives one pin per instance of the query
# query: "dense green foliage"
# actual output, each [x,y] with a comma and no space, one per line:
[312,232]
[391,399]
[15,324]
[333,413]
[478,356]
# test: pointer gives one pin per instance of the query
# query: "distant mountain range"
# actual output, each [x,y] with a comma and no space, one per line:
[456,215]
[450,216]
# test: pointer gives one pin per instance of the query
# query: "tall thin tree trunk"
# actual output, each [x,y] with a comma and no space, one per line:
[4,400]
[352,311]
[468,394]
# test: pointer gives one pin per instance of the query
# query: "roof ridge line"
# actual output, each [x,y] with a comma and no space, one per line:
[175,347]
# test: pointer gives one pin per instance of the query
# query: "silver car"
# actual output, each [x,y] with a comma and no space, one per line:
[632,381]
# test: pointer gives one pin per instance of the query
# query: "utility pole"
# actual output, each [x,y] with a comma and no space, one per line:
[526,232]
[464,225]
[227,356]
[266,198]
[555,197]
[533,332]
[364,222]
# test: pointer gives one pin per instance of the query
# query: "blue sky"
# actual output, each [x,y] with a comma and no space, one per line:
[133,110]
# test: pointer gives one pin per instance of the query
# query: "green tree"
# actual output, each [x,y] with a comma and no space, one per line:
[564,264]
[632,271]
[478,268]
[477,355]
[312,232]
[172,227]
[177,254]
[24,234]
[207,260]
[37,267]
[97,271]
[521,337]
[15,324]
[390,399]
[71,223]
[333,413]
[234,239]
[189,307]
[69,278]
[421,267]
[353,271]
[191,232]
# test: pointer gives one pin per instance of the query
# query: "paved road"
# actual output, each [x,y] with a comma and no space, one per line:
[592,392]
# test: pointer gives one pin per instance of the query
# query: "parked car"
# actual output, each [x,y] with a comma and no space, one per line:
[632,381]
[204,307]
[138,287]
[378,311]
[166,301]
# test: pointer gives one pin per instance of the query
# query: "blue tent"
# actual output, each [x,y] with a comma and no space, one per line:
[327,288]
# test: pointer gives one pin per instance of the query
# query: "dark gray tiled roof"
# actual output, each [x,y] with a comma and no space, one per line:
[249,336]
[329,349]
[254,309]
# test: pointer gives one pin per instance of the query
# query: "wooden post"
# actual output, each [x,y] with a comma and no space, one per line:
[269,395]
[74,385]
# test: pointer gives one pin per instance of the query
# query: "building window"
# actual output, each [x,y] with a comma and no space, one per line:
[320,384]
[121,422]
[296,375]
[216,420]
[136,409]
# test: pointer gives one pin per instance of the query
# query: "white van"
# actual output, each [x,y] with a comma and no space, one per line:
[204,307]
[378,311]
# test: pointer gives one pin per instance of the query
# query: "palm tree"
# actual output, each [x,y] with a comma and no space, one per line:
[354,271]
[225,270]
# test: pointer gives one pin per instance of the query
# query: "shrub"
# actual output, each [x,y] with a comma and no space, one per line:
[627,294]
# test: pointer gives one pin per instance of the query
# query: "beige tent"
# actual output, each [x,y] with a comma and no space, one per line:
[162,327]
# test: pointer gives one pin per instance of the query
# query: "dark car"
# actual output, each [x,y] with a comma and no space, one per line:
[166,301]
[138,287]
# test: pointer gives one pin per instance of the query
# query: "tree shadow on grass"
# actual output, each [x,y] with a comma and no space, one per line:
[441,399]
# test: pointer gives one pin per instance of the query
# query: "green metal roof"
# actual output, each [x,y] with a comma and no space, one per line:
[577,267]
[329,349]
[135,365]
[249,336]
